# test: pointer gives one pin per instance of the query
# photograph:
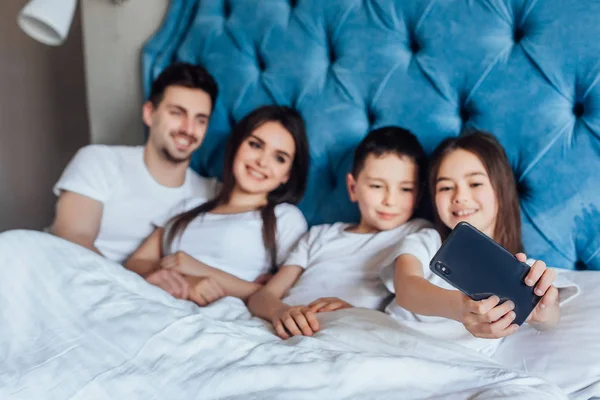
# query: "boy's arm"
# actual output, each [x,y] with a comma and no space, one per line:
[266,303]
[146,259]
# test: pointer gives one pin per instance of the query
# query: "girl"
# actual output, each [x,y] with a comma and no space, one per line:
[219,247]
[470,180]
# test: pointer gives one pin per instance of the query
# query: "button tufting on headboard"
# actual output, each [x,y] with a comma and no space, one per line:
[437,68]
[578,109]
[518,35]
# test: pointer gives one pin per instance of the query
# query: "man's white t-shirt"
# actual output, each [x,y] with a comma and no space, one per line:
[423,245]
[117,177]
[234,242]
[338,263]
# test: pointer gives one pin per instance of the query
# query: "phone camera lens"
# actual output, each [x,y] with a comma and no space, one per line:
[443,268]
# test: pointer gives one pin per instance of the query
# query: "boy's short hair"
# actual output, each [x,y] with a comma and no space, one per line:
[391,140]
[187,75]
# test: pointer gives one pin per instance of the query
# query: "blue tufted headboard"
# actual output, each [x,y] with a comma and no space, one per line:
[526,71]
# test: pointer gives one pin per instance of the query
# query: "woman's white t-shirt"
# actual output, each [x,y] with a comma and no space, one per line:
[234,242]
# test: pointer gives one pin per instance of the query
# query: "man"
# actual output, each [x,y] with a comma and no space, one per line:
[108,196]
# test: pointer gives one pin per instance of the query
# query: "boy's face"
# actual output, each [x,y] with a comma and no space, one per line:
[386,192]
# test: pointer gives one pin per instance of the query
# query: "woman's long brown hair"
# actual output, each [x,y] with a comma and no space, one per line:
[493,157]
[290,192]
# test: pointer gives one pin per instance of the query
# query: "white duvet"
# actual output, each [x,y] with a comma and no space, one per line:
[75,326]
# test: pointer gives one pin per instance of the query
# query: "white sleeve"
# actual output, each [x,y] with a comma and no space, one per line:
[567,290]
[422,244]
[291,225]
[93,172]
[300,254]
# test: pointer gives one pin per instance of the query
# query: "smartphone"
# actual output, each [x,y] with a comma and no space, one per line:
[475,264]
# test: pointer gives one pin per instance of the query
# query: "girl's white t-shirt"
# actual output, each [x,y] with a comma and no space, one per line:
[423,245]
[234,242]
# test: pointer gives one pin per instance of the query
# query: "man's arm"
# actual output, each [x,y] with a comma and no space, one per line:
[78,219]
[146,259]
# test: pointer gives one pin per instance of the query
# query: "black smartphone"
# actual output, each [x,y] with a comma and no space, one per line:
[475,264]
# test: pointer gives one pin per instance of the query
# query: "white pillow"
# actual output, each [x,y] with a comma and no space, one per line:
[568,355]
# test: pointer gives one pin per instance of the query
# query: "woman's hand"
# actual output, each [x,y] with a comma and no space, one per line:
[205,290]
[184,264]
[170,281]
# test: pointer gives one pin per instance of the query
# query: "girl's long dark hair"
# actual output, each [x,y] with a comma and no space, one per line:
[290,192]
[493,157]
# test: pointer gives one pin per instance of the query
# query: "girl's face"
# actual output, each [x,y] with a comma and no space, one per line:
[264,159]
[463,192]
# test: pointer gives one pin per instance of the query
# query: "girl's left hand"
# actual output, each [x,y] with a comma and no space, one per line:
[184,264]
[325,304]
[542,278]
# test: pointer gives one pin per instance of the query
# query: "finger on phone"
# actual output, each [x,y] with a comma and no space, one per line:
[545,282]
[503,327]
[550,298]
[500,311]
[521,257]
[535,273]
[483,306]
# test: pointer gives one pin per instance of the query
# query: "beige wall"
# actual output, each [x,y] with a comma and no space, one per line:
[43,118]
[113,37]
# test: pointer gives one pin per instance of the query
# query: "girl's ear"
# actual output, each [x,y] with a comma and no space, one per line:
[351,183]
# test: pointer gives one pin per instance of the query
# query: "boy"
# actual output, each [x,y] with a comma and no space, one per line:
[339,264]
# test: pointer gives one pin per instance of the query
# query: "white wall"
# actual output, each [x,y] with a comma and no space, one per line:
[113,37]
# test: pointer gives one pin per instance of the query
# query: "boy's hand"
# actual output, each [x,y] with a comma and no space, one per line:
[171,282]
[325,304]
[205,290]
[542,278]
[486,319]
[297,321]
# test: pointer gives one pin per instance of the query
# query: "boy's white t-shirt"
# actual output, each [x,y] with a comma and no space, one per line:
[423,245]
[117,177]
[234,242]
[342,264]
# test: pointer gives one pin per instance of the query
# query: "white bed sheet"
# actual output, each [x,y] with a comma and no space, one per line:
[76,326]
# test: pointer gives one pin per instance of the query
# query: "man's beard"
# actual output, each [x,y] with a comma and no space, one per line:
[175,160]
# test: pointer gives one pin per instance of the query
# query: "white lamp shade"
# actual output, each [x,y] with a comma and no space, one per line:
[47,21]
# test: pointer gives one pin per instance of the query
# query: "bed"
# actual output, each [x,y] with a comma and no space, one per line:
[76,326]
